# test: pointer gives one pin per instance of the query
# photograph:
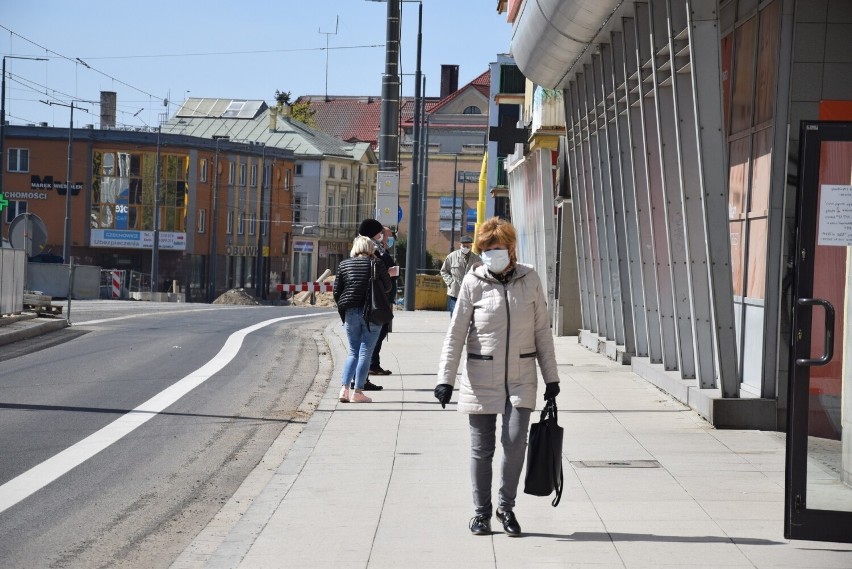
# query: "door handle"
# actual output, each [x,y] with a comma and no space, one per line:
[828,351]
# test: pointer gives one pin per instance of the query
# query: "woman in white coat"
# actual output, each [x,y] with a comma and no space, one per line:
[501,318]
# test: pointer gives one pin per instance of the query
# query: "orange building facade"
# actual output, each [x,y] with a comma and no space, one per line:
[113,196]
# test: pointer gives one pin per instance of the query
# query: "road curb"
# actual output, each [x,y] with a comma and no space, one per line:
[29,328]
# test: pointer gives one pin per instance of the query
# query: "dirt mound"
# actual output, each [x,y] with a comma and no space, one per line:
[236,297]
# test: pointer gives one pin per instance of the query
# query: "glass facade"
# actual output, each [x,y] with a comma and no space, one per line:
[124,188]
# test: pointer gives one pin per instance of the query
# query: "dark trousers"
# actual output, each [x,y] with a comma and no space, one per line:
[374,360]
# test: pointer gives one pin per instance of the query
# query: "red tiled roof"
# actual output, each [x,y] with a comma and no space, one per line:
[358,119]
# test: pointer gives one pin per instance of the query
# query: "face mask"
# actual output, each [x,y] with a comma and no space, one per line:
[496,260]
[465,250]
[391,241]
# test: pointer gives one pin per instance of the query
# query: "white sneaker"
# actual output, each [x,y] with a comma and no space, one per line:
[358,397]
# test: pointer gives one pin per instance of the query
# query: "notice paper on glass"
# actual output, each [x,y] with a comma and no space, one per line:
[835,215]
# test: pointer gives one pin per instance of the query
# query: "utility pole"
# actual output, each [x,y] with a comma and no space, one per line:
[259,278]
[66,243]
[214,226]
[389,135]
[412,252]
[155,248]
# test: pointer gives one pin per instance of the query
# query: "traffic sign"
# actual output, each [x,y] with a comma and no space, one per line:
[399,215]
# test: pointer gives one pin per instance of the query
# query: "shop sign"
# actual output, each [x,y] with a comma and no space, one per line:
[47,183]
[26,195]
[241,251]
[124,239]
[303,246]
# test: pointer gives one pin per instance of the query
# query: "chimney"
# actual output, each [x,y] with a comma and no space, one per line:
[108,101]
[273,119]
[449,80]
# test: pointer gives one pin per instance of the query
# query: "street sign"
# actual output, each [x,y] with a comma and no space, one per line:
[387,197]
[468,176]
[399,216]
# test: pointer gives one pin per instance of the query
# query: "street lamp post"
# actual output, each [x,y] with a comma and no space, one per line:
[260,270]
[155,249]
[66,243]
[412,252]
[214,226]
[3,111]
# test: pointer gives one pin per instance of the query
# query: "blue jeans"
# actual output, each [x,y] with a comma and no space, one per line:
[361,344]
[451,304]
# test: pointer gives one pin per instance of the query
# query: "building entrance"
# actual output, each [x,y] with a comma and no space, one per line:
[819,438]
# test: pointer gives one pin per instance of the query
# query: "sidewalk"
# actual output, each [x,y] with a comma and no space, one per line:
[386,485]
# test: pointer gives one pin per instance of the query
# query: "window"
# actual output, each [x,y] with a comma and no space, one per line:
[264,227]
[202,220]
[344,173]
[232,172]
[298,169]
[252,228]
[19,160]
[331,172]
[243,174]
[343,212]
[329,213]
[14,209]
[267,175]
[202,175]
[472,110]
[254,175]
[287,180]
[241,225]
[230,228]
[298,200]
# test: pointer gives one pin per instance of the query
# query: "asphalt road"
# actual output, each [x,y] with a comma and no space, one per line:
[140,500]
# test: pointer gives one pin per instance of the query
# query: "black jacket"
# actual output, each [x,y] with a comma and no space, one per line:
[351,284]
[387,259]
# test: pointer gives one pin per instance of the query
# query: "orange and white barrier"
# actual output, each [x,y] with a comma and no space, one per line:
[306,287]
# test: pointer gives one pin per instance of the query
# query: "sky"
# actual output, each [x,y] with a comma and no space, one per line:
[150,52]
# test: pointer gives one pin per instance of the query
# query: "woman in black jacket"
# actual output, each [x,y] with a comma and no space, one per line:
[351,290]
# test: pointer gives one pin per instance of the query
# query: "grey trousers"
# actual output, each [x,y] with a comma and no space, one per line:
[516,422]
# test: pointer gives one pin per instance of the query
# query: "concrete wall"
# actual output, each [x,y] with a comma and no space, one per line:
[12,268]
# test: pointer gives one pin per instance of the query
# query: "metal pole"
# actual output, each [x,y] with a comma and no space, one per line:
[389,135]
[453,226]
[424,182]
[413,250]
[2,125]
[214,226]
[155,249]
[66,245]
[260,290]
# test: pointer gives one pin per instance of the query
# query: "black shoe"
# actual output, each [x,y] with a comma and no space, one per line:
[480,525]
[369,386]
[510,523]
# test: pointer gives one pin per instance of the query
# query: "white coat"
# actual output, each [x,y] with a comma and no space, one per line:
[505,328]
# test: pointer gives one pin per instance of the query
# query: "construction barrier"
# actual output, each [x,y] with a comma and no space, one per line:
[306,287]
[430,293]
[116,284]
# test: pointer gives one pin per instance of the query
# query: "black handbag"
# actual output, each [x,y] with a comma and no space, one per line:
[544,456]
[377,307]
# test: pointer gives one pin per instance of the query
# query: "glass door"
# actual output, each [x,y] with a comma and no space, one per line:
[819,439]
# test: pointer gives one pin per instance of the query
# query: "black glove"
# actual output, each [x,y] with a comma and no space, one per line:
[443,392]
[551,390]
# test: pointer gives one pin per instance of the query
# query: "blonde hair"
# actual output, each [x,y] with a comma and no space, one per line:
[496,231]
[362,246]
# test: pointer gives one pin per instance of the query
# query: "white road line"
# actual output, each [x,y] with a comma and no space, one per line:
[164,312]
[43,474]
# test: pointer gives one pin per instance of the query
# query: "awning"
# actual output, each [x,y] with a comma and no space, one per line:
[551,34]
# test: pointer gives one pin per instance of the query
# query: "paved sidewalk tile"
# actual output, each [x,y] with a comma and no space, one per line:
[648,483]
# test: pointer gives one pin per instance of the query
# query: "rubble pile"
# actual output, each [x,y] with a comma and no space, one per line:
[236,297]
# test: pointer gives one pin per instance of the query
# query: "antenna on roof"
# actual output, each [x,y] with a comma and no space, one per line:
[336,22]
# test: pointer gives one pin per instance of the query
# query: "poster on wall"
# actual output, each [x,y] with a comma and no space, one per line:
[835,215]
